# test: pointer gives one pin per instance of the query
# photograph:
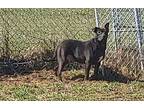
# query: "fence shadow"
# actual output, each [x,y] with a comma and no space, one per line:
[23,66]
[12,67]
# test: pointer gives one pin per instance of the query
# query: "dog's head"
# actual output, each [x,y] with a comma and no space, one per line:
[101,33]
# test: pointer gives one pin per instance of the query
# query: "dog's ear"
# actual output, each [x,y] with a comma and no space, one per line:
[95,29]
[107,26]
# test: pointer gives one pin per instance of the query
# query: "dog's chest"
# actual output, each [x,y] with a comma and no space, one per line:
[98,55]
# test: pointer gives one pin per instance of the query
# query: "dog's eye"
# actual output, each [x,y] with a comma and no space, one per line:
[99,32]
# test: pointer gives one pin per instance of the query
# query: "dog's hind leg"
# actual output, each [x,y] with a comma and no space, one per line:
[61,62]
[60,68]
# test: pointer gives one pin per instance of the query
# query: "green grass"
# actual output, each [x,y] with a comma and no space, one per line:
[84,90]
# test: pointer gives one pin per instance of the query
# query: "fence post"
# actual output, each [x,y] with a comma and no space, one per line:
[118,23]
[139,33]
[96,17]
[113,12]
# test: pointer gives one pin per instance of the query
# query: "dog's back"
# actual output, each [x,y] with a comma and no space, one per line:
[71,49]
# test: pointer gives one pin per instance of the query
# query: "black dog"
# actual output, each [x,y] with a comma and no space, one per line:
[90,52]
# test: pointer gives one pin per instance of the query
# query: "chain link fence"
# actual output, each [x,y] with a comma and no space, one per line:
[31,34]
[125,45]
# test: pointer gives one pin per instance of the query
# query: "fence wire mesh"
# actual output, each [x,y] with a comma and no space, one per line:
[28,28]
[123,49]
[32,33]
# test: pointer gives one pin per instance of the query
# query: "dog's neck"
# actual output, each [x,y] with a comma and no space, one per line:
[101,43]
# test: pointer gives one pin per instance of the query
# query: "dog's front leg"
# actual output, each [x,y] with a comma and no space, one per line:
[87,69]
[96,69]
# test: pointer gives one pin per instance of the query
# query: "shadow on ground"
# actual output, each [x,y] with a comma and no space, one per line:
[26,67]
[109,75]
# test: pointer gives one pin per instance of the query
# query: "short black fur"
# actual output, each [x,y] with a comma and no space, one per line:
[90,52]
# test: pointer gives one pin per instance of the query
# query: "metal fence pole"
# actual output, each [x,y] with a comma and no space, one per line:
[118,23]
[139,33]
[113,12]
[96,17]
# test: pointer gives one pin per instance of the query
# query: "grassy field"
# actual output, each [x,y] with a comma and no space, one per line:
[43,85]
